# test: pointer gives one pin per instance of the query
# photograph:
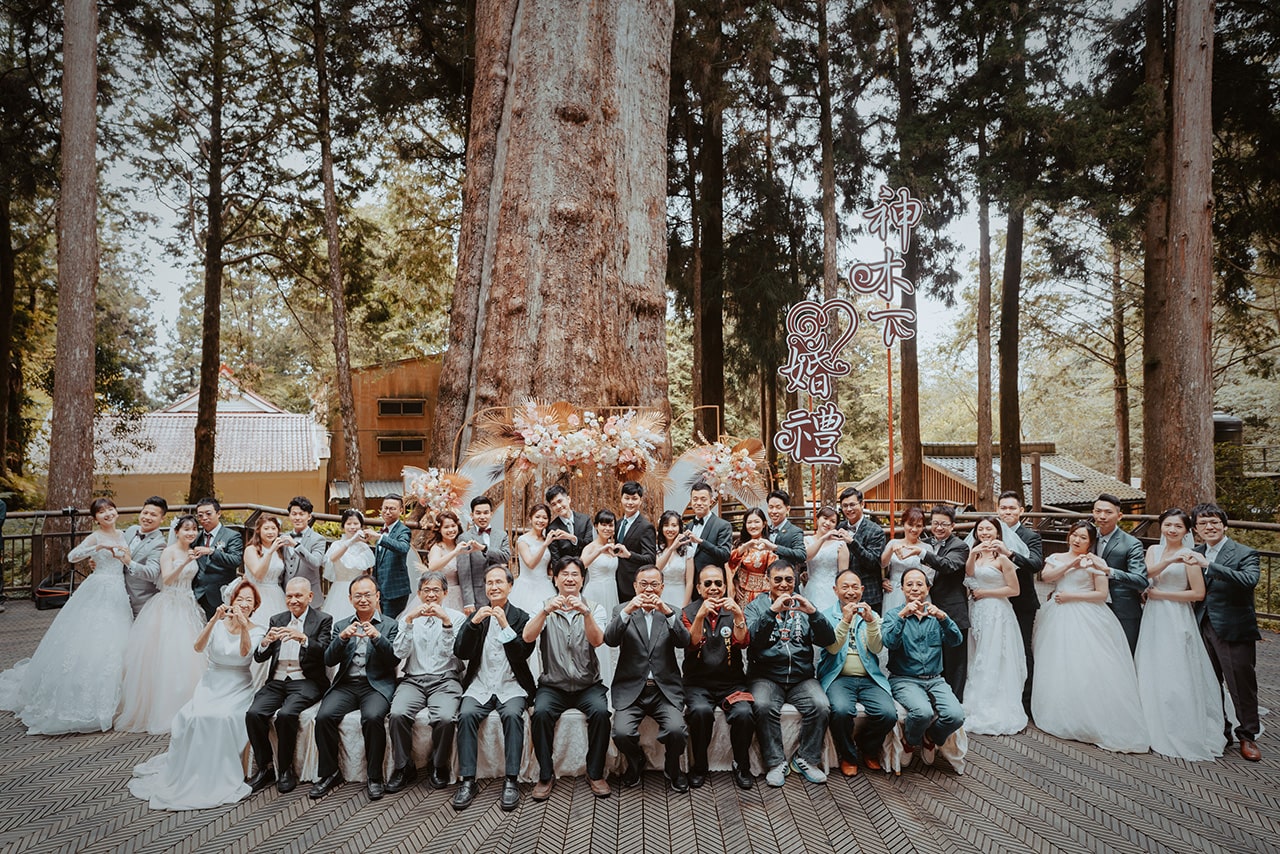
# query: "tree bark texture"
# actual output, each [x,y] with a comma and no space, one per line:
[1010,411]
[211,334]
[1178,365]
[71,437]
[560,291]
[1120,371]
[711,291]
[985,475]
[8,294]
[333,240]
[830,231]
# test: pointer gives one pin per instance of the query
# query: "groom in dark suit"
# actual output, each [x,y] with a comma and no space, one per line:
[866,540]
[948,560]
[574,528]
[361,648]
[711,535]
[1124,557]
[1228,622]
[296,679]
[219,552]
[1026,603]
[646,680]
[636,535]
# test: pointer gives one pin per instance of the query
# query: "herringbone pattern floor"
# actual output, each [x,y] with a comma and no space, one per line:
[1030,792]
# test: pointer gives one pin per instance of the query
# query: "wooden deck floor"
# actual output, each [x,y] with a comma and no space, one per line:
[1030,792]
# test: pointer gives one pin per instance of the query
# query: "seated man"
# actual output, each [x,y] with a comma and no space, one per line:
[296,680]
[855,678]
[497,677]
[915,637]
[362,649]
[571,629]
[646,680]
[425,643]
[713,676]
[784,628]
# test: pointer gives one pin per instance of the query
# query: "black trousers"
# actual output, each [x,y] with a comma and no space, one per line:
[955,665]
[699,714]
[347,696]
[471,713]
[1235,662]
[286,701]
[1026,622]
[671,728]
[549,704]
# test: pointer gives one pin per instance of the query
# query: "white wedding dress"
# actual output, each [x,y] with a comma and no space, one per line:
[820,589]
[895,600]
[997,664]
[202,767]
[162,668]
[269,589]
[72,682]
[533,587]
[1085,687]
[602,589]
[673,581]
[1180,695]
[354,562]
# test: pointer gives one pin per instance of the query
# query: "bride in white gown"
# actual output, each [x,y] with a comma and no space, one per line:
[203,766]
[601,562]
[264,568]
[1180,694]
[72,682]
[347,559]
[902,554]
[828,556]
[997,664]
[161,667]
[1084,687]
[533,586]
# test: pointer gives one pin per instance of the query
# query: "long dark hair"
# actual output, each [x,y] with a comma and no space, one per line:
[662,524]
[754,511]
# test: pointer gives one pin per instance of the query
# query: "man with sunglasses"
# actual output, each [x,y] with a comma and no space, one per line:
[713,676]
[785,627]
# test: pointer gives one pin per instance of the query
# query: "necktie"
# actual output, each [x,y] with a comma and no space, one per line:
[622,530]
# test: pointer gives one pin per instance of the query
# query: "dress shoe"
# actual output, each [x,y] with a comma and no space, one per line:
[542,789]
[262,778]
[376,789]
[325,786]
[631,776]
[1249,750]
[697,779]
[742,778]
[678,781]
[402,778]
[439,778]
[287,783]
[600,788]
[871,763]
[465,795]
[510,795]
[849,769]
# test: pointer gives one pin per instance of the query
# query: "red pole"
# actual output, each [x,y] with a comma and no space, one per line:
[889,365]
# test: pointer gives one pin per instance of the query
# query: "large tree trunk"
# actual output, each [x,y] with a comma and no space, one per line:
[1178,365]
[1010,411]
[8,293]
[71,435]
[1120,370]
[333,240]
[211,336]
[562,257]
[985,474]
[711,296]
[830,234]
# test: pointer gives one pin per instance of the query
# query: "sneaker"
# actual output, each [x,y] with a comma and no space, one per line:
[812,773]
[777,776]
[928,751]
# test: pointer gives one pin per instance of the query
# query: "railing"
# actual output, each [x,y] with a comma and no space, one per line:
[29,551]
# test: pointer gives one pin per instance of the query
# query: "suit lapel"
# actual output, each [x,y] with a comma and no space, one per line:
[642,626]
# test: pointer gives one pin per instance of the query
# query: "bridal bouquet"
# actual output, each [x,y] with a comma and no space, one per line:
[436,489]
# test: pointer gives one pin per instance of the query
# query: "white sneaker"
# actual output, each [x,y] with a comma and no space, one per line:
[777,776]
[811,773]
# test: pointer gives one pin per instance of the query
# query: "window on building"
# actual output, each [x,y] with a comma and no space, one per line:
[401,444]
[404,406]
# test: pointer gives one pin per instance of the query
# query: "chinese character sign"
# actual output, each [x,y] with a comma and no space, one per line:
[811,437]
[813,361]
[896,213]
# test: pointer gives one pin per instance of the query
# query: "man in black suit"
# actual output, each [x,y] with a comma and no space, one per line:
[947,560]
[712,536]
[493,550]
[497,677]
[637,537]
[1126,566]
[219,552]
[1228,622]
[571,529]
[866,540]
[296,680]
[362,648]
[303,549]
[646,680]
[1028,566]
[786,541]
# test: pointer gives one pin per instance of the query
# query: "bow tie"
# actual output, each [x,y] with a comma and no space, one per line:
[484,530]
[385,528]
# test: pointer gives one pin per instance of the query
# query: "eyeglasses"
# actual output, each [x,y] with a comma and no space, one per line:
[1210,523]
[432,590]
[648,585]
[713,584]
[788,580]
[362,596]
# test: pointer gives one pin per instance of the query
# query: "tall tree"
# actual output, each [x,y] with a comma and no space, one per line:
[1177,365]
[70,456]
[830,232]
[562,254]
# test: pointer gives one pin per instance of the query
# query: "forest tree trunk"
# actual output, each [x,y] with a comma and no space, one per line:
[985,474]
[830,234]
[1010,410]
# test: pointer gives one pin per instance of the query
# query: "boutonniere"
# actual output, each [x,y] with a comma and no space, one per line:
[220,546]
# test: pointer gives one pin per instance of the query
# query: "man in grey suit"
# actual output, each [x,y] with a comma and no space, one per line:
[303,549]
[711,535]
[646,680]
[572,530]
[1126,563]
[219,552]
[492,550]
[145,541]
[1228,621]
